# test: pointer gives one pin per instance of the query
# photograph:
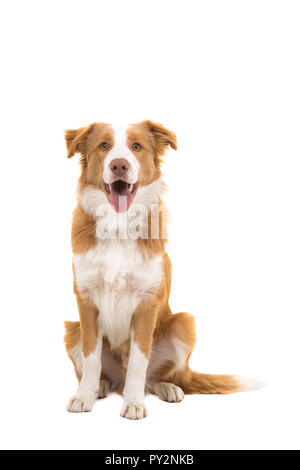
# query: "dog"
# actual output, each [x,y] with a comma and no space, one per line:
[127,339]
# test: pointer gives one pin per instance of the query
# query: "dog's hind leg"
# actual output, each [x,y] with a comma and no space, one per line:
[169,355]
[169,375]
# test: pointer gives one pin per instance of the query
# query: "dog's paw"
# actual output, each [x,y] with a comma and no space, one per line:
[104,388]
[81,404]
[168,392]
[131,410]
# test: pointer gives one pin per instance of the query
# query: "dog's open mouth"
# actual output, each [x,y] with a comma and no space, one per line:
[121,194]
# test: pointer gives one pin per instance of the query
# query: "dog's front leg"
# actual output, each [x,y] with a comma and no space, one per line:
[91,343]
[143,323]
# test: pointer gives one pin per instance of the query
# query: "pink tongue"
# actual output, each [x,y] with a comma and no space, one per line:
[121,198]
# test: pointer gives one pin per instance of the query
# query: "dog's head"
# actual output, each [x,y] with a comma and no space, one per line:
[120,160]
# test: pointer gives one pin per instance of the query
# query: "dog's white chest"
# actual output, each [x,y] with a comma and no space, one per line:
[117,278]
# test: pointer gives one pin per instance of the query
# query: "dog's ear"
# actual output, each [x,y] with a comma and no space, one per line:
[162,137]
[76,140]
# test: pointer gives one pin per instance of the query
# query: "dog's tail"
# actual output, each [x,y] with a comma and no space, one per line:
[193,382]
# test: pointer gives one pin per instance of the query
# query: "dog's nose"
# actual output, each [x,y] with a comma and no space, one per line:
[119,167]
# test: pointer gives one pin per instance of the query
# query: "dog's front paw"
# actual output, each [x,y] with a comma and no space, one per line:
[133,410]
[81,404]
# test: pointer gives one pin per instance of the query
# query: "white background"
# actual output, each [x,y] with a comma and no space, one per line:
[224,75]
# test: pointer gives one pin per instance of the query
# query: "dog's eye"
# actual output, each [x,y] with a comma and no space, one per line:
[136,147]
[104,146]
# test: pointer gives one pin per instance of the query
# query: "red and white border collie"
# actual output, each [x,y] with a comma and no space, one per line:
[127,339]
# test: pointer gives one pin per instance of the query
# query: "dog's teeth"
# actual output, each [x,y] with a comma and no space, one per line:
[130,187]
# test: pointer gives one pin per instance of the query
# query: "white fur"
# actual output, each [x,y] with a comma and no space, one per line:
[117,278]
[77,358]
[247,385]
[88,389]
[121,150]
[134,390]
